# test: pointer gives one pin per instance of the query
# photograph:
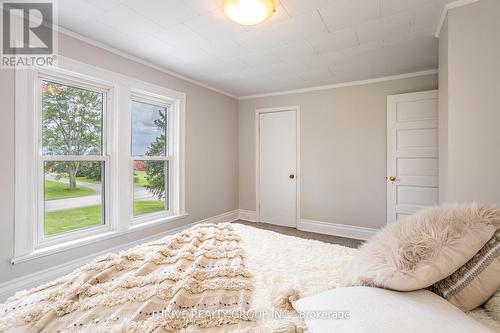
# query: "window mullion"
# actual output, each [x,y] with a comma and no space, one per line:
[122,165]
[74,157]
[151,158]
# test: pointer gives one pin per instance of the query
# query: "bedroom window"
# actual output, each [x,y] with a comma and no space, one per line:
[98,155]
[151,155]
[73,157]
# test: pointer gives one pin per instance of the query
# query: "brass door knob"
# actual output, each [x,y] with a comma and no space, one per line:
[292,176]
[392,178]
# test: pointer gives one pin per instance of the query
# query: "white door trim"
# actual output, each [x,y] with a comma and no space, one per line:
[295,108]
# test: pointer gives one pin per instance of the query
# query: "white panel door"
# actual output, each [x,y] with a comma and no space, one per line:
[412,153]
[278,167]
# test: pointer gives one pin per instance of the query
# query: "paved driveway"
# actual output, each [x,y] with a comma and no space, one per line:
[140,193]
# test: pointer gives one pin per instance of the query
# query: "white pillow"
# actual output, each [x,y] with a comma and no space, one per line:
[377,310]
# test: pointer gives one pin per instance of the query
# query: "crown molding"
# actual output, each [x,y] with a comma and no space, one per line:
[139,60]
[447,7]
[344,84]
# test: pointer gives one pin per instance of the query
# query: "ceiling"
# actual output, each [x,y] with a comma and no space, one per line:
[305,43]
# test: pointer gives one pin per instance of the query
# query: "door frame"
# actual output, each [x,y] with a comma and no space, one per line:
[258,112]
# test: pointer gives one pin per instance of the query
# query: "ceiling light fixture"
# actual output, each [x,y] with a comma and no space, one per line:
[248,12]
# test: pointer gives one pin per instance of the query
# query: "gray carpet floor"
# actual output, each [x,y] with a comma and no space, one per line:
[354,243]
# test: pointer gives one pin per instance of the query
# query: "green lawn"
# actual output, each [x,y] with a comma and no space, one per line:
[76,218]
[72,219]
[84,179]
[146,207]
[57,190]
[140,178]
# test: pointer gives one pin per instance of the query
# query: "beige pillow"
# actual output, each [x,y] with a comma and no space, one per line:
[492,306]
[476,281]
[424,248]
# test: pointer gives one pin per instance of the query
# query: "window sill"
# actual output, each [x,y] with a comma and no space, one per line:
[49,250]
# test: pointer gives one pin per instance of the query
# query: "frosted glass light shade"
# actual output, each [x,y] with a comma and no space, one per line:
[248,12]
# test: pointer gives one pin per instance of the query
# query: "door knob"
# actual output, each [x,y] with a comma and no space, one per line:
[392,178]
[292,176]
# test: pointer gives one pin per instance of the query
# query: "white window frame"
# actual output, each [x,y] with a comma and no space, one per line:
[29,239]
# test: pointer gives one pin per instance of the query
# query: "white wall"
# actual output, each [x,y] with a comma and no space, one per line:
[343,150]
[473,102]
[211,154]
[443,113]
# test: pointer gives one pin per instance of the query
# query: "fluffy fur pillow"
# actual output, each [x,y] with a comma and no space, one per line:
[424,248]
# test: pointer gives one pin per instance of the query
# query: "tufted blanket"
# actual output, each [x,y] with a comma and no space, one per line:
[195,278]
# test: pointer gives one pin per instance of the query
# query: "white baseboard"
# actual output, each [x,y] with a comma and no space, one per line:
[326,228]
[247,215]
[9,288]
[334,229]
[222,218]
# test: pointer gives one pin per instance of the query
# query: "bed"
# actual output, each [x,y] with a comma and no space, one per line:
[250,276]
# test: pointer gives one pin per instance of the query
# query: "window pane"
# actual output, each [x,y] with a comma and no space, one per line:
[150,187]
[149,126]
[73,193]
[72,120]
